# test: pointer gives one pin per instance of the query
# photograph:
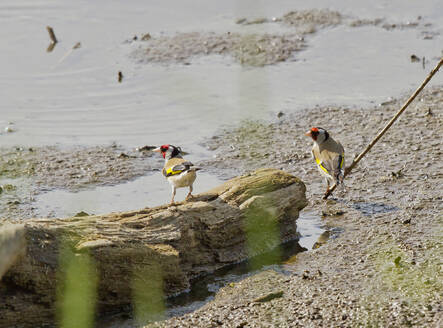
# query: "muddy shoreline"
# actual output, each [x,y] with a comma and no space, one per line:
[27,172]
[385,269]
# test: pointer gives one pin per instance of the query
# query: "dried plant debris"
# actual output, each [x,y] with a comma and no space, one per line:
[247,49]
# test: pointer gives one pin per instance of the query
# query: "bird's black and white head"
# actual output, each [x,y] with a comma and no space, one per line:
[319,135]
[169,151]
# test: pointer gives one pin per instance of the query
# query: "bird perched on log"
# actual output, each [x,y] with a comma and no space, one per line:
[328,154]
[179,172]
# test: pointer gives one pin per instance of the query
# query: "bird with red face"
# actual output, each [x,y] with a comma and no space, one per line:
[329,156]
[179,172]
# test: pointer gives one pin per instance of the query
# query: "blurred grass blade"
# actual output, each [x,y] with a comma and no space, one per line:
[148,295]
[263,234]
[77,290]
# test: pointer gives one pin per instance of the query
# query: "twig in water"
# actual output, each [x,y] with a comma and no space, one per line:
[53,39]
[51,34]
[76,46]
[382,132]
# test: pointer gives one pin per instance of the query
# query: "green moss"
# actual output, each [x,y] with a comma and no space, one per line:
[404,286]
[414,282]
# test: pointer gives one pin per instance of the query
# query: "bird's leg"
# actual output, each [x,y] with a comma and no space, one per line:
[327,188]
[173,194]
[189,196]
[341,178]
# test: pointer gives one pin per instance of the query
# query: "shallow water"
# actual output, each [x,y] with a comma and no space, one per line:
[147,191]
[73,97]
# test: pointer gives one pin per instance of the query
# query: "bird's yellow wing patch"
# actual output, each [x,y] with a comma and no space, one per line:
[170,171]
[319,163]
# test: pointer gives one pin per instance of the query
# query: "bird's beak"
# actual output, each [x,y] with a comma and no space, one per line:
[157,150]
[309,134]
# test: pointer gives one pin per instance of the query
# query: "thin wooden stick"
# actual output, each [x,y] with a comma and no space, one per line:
[382,132]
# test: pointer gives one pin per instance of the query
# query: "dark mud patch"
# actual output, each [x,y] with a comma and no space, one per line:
[27,172]
[369,209]
[384,268]
[246,49]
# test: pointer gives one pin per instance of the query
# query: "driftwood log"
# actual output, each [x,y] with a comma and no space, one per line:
[181,241]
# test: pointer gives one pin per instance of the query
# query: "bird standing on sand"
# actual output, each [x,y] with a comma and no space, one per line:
[179,172]
[328,154]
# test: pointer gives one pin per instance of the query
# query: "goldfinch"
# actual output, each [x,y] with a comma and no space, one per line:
[179,172]
[328,154]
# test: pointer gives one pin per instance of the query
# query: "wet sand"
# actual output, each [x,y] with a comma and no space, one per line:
[385,268]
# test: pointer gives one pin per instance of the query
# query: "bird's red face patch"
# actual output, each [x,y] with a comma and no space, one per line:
[164,149]
[313,133]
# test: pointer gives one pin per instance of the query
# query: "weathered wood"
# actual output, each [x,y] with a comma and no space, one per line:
[183,241]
